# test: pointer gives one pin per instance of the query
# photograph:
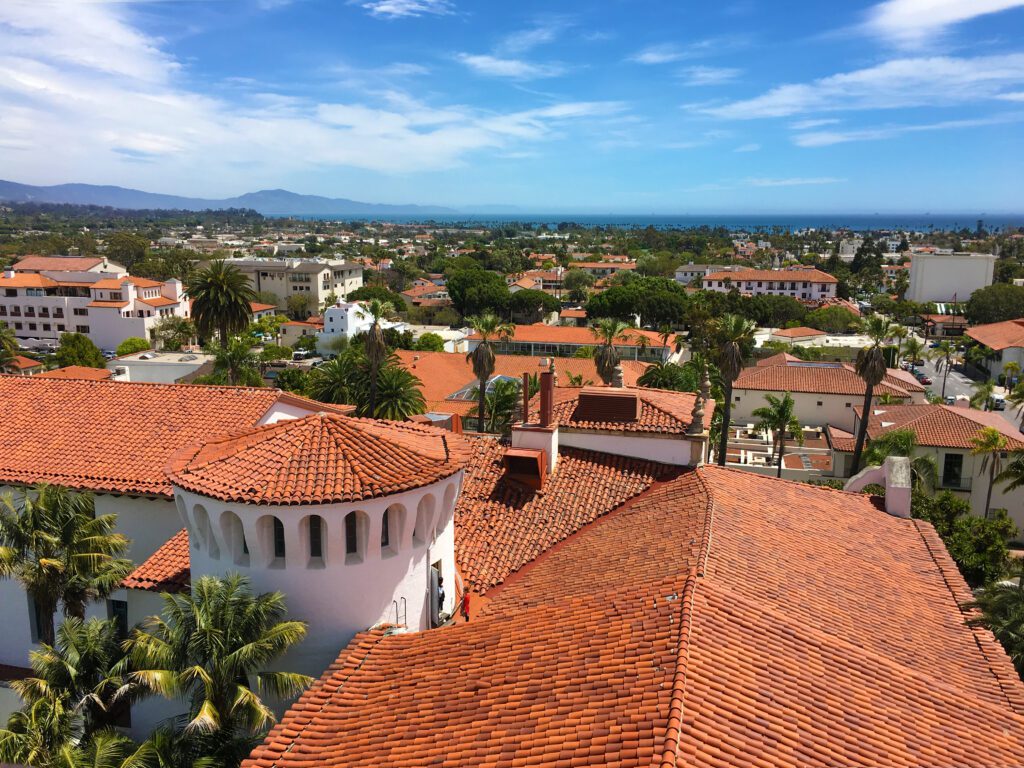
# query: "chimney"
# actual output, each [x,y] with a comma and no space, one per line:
[543,435]
[895,475]
[547,397]
[9,272]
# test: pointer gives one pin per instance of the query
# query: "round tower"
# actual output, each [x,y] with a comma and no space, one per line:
[352,519]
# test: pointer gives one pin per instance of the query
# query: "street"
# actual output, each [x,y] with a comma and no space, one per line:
[958,384]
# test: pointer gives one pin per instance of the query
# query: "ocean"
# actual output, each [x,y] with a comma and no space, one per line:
[913,222]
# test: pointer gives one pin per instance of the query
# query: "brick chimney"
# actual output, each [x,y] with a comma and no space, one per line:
[543,434]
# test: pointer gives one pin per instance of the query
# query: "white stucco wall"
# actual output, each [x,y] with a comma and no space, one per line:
[667,449]
[338,595]
[836,410]
[941,276]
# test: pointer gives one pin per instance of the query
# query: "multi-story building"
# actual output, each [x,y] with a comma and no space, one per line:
[40,304]
[798,282]
[687,273]
[943,277]
[316,278]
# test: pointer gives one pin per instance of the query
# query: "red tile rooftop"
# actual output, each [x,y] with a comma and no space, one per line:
[23,363]
[999,336]
[76,372]
[319,459]
[57,263]
[773,275]
[940,426]
[661,411]
[166,570]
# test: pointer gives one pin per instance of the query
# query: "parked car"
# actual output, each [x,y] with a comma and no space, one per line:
[950,400]
[998,403]
[924,379]
[109,354]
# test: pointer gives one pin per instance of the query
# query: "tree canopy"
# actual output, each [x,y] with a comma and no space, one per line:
[78,349]
[998,302]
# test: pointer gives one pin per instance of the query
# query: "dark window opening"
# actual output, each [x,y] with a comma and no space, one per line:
[278,538]
[351,534]
[316,543]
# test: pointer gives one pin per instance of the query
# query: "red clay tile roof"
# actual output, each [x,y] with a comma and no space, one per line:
[109,436]
[77,372]
[26,280]
[803,330]
[143,282]
[58,263]
[107,304]
[110,283]
[166,570]
[502,525]
[661,411]
[773,275]
[564,334]
[720,619]
[319,459]
[159,301]
[23,363]
[942,426]
[257,307]
[840,439]
[782,358]
[578,314]
[999,336]
[819,378]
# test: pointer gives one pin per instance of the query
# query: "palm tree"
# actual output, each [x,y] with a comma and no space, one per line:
[1013,474]
[944,357]
[779,417]
[399,394]
[608,330]
[898,333]
[222,299]
[1011,372]
[337,381]
[659,375]
[1002,611]
[38,735]
[982,394]
[903,442]
[212,647]
[62,553]
[912,349]
[990,444]
[731,334]
[488,326]
[503,400]
[870,366]
[1016,398]
[85,669]
[8,347]
[237,364]
[376,347]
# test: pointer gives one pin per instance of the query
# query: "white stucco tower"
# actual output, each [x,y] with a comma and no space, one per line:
[352,519]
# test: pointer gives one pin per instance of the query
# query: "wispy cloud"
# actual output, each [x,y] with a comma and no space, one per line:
[828,138]
[396,9]
[667,53]
[516,69]
[804,125]
[798,181]
[700,76]
[915,23]
[748,148]
[899,83]
[546,30]
[1015,96]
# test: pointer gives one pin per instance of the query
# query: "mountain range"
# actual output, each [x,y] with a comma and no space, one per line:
[270,202]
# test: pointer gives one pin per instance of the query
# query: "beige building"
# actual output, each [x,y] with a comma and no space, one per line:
[316,278]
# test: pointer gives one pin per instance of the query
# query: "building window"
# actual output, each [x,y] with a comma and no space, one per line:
[385,530]
[952,470]
[316,538]
[61,327]
[278,539]
[38,619]
[351,534]
[31,326]
[82,328]
[849,405]
[81,311]
[18,326]
[118,613]
[820,403]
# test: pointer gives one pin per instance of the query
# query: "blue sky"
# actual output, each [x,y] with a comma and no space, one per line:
[611,106]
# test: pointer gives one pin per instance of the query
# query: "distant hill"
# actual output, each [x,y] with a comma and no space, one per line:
[270,202]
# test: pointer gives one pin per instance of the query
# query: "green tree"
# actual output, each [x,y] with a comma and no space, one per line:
[213,648]
[429,342]
[731,334]
[577,282]
[221,300]
[339,380]
[488,327]
[300,306]
[371,292]
[870,366]
[990,444]
[912,349]
[607,331]
[173,332]
[981,394]
[62,553]
[660,375]
[1001,604]
[126,249]
[903,442]
[779,417]
[235,364]
[502,398]
[1016,399]
[78,349]
[530,306]
[399,394]
[292,380]
[8,347]
[375,346]
[994,304]
[832,319]
[477,291]
[944,356]
[131,345]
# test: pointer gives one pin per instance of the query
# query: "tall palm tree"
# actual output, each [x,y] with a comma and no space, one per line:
[489,326]
[1011,371]
[376,347]
[912,349]
[779,416]
[944,356]
[222,299]
[237,363]
[39,735]
[608,331]
[503,401]
[338,381]
[870,366]
[898,333]
[731,334]
[85,669]
[1013,474]
[8,347]
[1016,398]
[981,395]
[399,394]
[903,442]
[990,444]
[62,553]
[660,375]
[212,648]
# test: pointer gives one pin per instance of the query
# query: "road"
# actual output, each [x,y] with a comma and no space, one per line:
[958,384]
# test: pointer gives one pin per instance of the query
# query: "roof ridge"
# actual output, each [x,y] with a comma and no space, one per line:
[674,721]
[1009,684]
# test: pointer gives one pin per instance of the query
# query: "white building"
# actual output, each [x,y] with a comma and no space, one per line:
[687,273]
[949,276]
[313,277]
[798,282]
[159,367]
[347,319]
[1006,338]
[848,248]
[108,307]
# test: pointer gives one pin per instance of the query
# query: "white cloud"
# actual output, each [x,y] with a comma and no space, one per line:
[804,125]
[666,53]
[658,54]
[698,76]
[793,182]
[1015,96]
[517,69]
[93,108]
[747,148]
[546,30]
[828,138]
[396,9]
[895,84]
[915,23]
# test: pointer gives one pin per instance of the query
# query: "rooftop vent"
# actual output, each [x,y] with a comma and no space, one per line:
[528,466]
[607,404]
